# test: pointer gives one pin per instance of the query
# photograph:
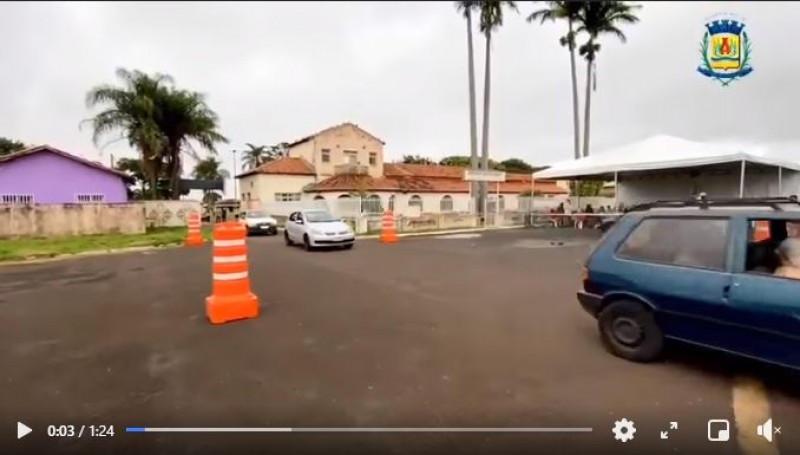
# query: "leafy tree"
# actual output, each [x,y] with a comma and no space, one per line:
[416,159]
[597,18]
[456,160]
[590,188]
[9,146]
[568,11]
[514,165]
[209,169]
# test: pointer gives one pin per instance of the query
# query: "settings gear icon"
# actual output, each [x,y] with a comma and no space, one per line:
[623,430]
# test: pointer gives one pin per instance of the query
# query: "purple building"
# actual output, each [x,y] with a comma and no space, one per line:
[45,175]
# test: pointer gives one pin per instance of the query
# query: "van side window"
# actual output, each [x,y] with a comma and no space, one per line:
[689,242]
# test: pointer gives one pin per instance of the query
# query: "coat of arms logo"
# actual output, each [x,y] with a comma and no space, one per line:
[725,51]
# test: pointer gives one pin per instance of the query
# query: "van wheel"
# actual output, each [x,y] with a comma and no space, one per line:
[629,330]
[287,239]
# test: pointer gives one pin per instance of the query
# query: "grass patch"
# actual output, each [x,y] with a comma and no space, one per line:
[32,248]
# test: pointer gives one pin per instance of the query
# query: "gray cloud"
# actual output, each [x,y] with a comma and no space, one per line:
[279,71]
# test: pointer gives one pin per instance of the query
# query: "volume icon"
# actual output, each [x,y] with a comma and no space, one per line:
[765,430]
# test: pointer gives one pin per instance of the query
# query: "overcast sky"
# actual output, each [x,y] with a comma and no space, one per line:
[278,71]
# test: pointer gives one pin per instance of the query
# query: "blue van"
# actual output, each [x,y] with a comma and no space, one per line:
[701,272]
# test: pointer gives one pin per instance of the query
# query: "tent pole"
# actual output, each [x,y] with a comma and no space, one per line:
[780,180]
[741,181]
[616,190]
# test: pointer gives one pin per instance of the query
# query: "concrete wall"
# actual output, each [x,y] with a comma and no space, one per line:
[54,179]
[168,213]
[426,222]
[54,220]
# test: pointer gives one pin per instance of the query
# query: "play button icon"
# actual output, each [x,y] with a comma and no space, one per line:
[22,430]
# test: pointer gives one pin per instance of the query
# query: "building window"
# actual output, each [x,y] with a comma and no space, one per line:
[286,197]
[326,155]
[344,196]
[696,242]
[373,158]
[16,198]
[502,202]
[446,204]
[351,157]
[319,197]
[251,184]
[391,203]
[415,201]
[84,198]
[371,204]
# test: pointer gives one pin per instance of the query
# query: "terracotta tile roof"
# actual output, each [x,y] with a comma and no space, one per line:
[77,159]
[395,181]
[285,166]
[423,170]
[312,136]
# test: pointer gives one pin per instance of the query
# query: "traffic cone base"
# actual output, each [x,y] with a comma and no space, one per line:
[194,240]
[232,308]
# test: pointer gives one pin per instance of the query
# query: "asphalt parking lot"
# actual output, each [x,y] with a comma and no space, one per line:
[429,332]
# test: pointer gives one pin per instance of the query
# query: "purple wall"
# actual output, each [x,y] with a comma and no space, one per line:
[54,179]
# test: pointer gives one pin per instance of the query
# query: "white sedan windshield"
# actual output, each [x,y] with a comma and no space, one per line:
[320,217]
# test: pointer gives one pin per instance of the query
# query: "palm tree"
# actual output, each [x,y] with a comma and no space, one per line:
[209,169]
[466,7]
[597,18]
[185,118]
[491,15]
[254,157]
[132,109]
[569,11]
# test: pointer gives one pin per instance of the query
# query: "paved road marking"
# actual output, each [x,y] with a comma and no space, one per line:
[459,236]
[751,408]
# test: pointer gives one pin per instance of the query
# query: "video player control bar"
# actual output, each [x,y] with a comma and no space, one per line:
[352,430]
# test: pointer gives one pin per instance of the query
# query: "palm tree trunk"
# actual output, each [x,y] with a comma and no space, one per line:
[576,124]
[485,132]
[588,107]
[473,121]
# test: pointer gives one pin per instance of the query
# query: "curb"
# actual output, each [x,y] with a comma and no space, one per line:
[445,232]
[62,257]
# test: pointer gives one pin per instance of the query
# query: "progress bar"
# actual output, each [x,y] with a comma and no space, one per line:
[352,430]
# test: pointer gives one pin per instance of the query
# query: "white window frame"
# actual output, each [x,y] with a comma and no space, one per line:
[17,199]
[373,158]
[350,157]
[413,199]
[325,153]
[446,198]
[90,198]
[287,197]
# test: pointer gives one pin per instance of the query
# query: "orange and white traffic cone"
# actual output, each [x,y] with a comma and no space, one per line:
[230,298]
[388,228]
[194,237]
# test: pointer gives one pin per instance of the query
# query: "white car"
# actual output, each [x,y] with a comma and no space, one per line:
[258,222]
[317,228]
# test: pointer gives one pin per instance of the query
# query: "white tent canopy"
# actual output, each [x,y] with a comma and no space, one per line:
[668,152]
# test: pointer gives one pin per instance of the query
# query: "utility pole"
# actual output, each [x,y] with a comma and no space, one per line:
[235,183]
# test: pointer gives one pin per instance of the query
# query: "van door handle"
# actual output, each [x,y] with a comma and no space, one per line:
[726,293]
